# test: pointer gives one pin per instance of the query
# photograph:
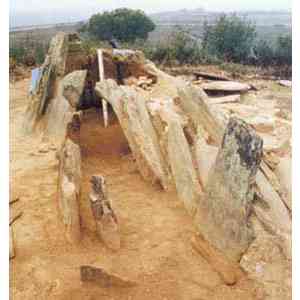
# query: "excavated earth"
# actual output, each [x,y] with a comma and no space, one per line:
[156,231]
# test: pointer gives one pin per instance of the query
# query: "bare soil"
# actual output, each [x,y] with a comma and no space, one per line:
[156,231]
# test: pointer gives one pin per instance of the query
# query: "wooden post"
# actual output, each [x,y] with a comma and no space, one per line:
[101,76]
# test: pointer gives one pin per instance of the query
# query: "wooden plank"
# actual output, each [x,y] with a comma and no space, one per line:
[101,76]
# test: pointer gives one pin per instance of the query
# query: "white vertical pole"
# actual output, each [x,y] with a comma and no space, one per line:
[101,75]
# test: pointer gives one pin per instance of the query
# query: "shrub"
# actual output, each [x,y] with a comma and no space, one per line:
[283,50]
[264,53]
[230,38]
[17,53]
[124,24]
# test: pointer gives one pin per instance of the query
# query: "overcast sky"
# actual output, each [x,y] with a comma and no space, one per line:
[89,6]
[37,12]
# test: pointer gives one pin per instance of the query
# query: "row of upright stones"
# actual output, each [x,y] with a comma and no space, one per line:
[163,135]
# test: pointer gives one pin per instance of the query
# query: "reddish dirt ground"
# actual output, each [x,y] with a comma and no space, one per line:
[155,229]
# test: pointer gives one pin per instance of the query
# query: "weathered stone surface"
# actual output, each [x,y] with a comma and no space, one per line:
[266,264]
[39,97]
[223,214]
[262,123]
[286,83]
[130,107]
[225,99]
[61,108]
[69,181]
[205,157]
[284,174]
[53,67]
[105,218]
[58,51]
[172,127]
[184,173]
[277,214]
[73,85]
[103,278]
[229,271]
[192,101]
[211,76]
[226,86]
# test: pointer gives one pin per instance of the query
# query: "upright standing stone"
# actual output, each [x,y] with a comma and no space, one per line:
[223,215]
[69,188]
[106,220]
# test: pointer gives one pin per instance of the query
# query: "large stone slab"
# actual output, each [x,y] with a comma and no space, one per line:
[192,101]
[44,87]
[183,170]
[73,85]
[69,187]
[130,107]
[223,215]
[64,105]
[107,224]
[103,278]
[225,86]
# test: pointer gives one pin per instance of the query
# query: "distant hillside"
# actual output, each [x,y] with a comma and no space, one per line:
[198,16]
[270,24]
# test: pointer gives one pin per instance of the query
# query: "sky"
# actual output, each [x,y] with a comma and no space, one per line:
[74,10]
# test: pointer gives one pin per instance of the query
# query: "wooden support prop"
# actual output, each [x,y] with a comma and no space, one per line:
[106,220]
[101,75]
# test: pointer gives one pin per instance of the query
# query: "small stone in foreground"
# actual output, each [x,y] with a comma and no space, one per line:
[103,278]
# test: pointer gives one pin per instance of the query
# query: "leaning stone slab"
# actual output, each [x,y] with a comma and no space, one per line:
[225,86]
[64,105]
[130,107]
[69,181]
[223,214]
[205,158]
[193,101]
[73,85]
[183,170]
[106,220]
[44,87]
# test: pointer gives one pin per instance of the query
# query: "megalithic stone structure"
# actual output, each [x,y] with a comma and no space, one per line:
[223,214]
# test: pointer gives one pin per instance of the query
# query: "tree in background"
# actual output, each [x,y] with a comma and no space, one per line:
[125,25]
[284,50]
[265,53]
[231,38]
